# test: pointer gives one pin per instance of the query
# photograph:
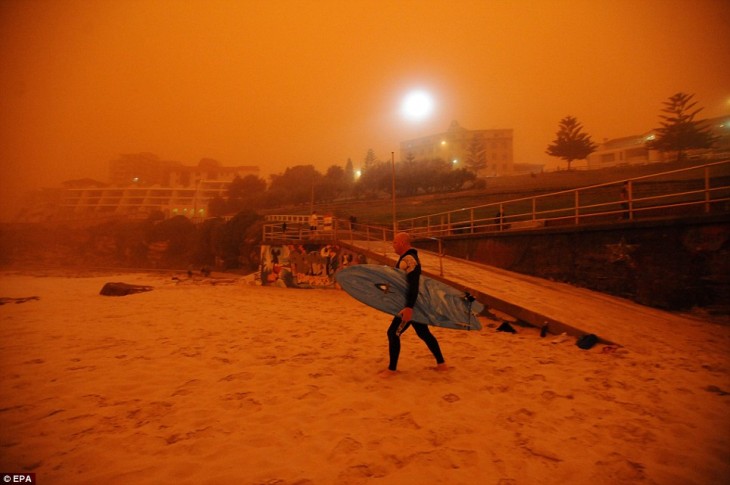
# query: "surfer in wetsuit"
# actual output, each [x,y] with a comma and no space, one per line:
[409,263]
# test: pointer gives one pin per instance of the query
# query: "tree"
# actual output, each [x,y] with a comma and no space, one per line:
[217,207]
[349,171]
[242,188]
[296,184]
[679,132]
[246,192]
[332,184]
[374,179]
[476,157]
[370,159]
[233,238]
[570,142]
[179,232]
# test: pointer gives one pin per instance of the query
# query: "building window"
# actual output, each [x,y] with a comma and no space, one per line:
[608,157]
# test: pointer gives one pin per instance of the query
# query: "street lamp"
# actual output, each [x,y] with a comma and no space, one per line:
[392,166]
[416,106]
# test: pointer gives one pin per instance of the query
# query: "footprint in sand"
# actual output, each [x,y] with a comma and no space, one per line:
[450,397]
[346,447]
[189,387]
[617,469]
[716,390]
[404,420]
[357,473]
[313,393]
[239,376]
[241,400]
[152,411]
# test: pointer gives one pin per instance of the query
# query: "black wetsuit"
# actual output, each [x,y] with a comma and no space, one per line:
[413,275]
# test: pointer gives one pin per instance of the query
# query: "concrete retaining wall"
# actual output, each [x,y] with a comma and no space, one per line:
[674,265]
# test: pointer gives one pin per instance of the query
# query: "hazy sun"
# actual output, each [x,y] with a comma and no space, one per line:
[417,105]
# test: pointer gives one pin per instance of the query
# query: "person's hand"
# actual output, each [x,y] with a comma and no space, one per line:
[406,314]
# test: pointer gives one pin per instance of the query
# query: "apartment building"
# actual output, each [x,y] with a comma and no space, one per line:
[491,149]
[146,169]
[142,183]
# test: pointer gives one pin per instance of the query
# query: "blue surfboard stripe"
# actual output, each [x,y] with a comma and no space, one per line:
[384,288]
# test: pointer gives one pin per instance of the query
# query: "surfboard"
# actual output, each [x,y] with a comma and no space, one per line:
[384,288]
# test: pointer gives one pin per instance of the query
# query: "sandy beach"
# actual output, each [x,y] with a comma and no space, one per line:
[195,382]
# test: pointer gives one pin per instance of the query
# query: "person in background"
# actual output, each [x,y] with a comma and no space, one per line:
[313,222]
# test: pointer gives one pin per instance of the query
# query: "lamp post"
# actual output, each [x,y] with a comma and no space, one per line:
[392,166]
[416,106]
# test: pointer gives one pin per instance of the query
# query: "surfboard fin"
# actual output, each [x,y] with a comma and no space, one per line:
[469,298]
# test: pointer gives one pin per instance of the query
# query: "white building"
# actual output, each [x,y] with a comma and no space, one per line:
[633,149]
[490,148]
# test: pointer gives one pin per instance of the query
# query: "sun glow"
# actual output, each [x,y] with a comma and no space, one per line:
[417,105]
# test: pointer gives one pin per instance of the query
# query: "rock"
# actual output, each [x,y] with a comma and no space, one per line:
[122,289]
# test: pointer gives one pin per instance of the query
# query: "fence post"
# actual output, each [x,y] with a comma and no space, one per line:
[471,220]
[441,260]
[577,208]
[630,190]
[707,190]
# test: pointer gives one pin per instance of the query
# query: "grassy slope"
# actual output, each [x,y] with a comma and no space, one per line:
[378,211]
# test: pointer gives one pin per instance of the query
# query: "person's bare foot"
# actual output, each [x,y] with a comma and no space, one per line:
[387,373]
[442,367]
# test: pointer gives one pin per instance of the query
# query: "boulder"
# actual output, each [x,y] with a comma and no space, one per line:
[122,289]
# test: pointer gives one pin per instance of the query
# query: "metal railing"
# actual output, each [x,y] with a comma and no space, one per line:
[698,190]
[703,189]
[281,230]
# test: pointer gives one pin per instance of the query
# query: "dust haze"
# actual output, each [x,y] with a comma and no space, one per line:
[278,84]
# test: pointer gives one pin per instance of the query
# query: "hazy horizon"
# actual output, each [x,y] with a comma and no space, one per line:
[284,83]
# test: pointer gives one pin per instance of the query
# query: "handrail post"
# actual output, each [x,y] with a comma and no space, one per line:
[441,259]
[577,208]
[707,190]
[630,198]
[534,208]
[471,220]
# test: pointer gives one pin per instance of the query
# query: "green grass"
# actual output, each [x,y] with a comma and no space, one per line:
[499,189]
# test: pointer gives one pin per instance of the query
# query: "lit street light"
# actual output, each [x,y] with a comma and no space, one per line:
[416,106]
[392,166]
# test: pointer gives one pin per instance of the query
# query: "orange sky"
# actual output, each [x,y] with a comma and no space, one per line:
[279,83]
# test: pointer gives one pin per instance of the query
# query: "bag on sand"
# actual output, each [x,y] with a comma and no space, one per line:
[506,327]
[586,342]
